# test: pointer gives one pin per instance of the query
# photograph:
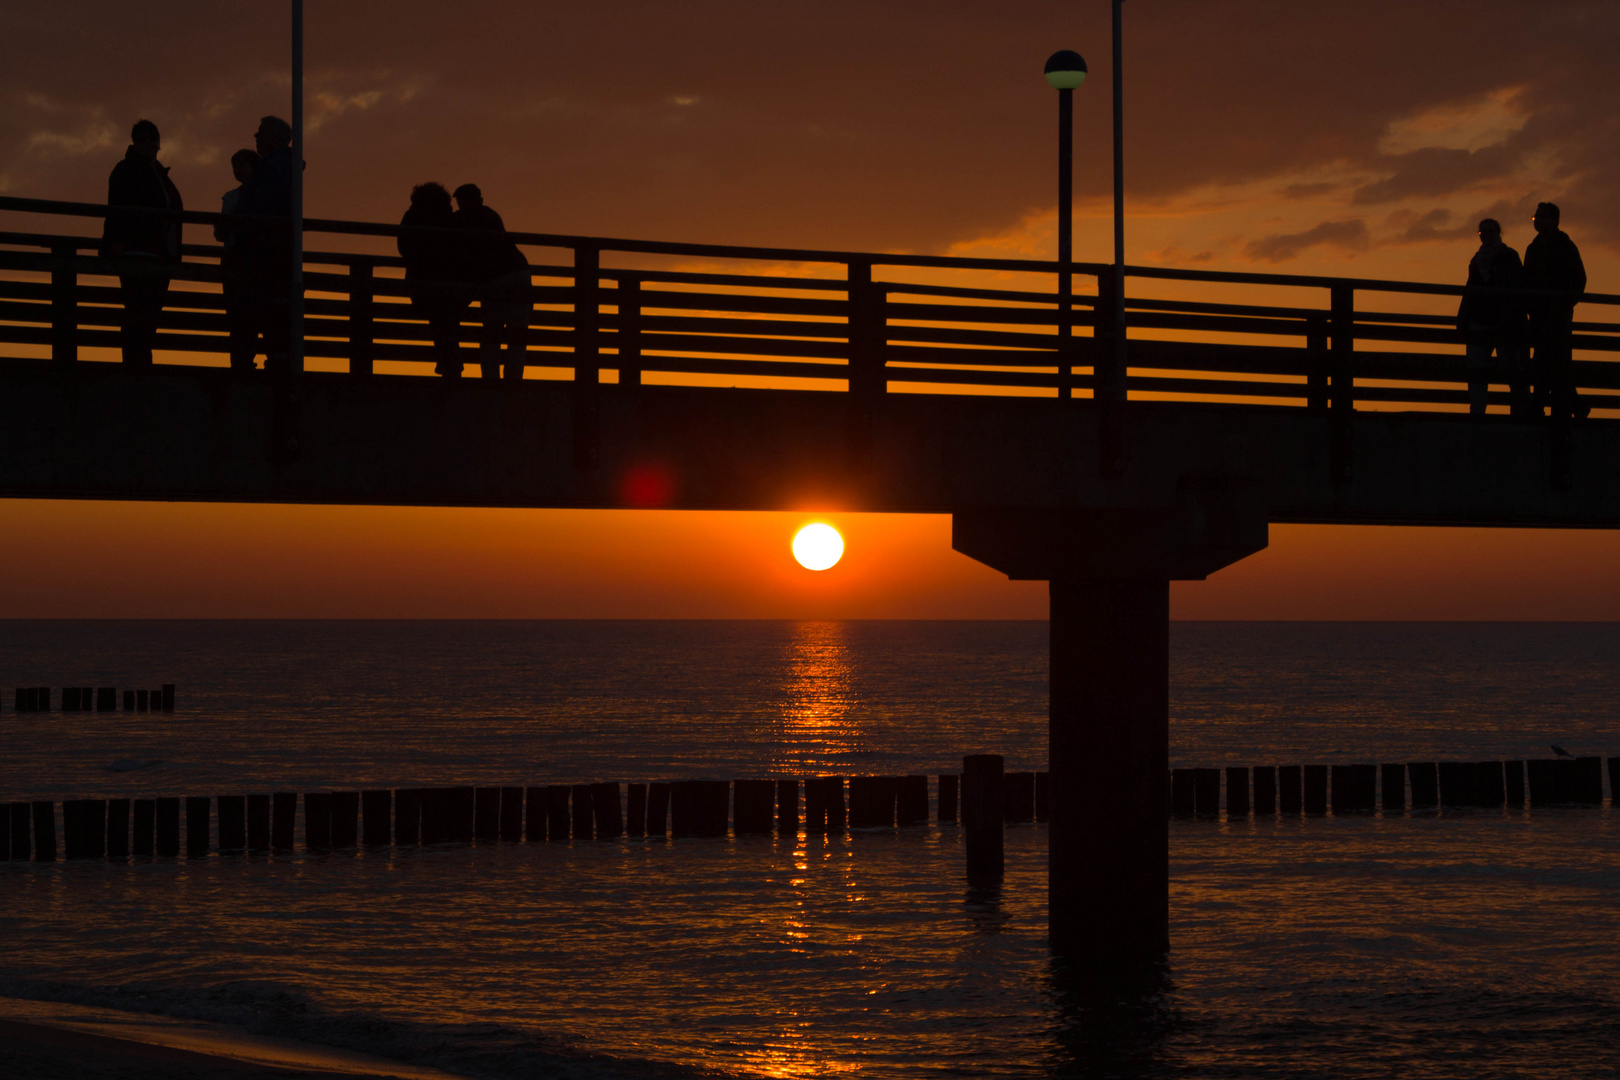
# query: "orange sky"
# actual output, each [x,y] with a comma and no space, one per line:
[1360,138]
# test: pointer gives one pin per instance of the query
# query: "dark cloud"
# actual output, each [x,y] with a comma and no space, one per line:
[1350,235]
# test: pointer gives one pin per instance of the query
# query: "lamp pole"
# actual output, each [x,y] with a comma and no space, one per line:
[1117,390]
[295,357]
[1065,70]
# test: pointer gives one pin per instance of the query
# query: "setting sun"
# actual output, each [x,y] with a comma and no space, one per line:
[818,546]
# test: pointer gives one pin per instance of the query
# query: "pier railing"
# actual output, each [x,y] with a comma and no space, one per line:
[643,312]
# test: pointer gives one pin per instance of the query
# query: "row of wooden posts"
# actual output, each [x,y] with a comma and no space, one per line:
[197,825]
[102,699]
[1314,789]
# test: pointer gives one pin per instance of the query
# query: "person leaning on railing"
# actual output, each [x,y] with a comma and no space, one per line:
[499,279]
[433,273]
[266,248]
[1492,321]
[146,246]
[239,316]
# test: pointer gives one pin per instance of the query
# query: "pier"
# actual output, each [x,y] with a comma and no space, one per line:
[697,377]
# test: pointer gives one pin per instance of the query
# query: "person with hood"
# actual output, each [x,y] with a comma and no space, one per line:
[147,246]
[1493,322]
[1553,267]
[265,249]
[433,273]
[499,279]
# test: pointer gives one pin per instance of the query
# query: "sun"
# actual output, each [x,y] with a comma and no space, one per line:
[818,546]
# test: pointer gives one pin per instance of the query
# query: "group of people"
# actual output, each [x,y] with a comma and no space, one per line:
[453,257]
[258,256]
[1523,312]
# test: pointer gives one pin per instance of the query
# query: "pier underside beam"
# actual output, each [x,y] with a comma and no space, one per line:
[1109,712]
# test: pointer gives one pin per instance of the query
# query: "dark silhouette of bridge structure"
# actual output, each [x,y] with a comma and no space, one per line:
[691,376]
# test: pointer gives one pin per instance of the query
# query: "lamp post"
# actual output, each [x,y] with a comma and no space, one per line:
[1065,70]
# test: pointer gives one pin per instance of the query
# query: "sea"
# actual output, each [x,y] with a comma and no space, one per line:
[1479,943]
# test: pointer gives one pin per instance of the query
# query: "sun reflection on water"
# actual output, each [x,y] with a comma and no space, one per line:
[818,698]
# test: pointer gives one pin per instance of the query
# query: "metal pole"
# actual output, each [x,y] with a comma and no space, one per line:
[1117,391]
[295,357]
[1065,242]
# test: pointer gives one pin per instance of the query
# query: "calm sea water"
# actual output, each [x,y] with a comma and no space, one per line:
[1425,945]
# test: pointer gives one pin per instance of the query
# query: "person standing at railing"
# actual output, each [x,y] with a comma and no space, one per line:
[1552,264]
[500,281]
[147,247]
[266,248]
[238,312]
[1492,322]
[433,273]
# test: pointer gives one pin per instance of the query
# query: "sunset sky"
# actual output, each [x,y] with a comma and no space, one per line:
[1358,138]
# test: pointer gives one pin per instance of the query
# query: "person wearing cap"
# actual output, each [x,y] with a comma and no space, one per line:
[499,279]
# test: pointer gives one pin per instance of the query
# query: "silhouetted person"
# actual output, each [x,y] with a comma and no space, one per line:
[239,314]
[433,273]
[501,283]
[1492,322]
[147,247]
[1552,264]
[265,249]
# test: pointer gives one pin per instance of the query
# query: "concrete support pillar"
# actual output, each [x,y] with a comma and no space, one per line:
[1109,869]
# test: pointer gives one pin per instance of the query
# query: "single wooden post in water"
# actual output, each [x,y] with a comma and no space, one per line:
[44,832]
[141,703]
[1614,782]
[258,824]
[1514,782]
[129,701]
[168,828]
[787,808]
[911,807]
[317,821]
[1237,791]
[948,788]
[559,825]
[1343,796]
[487,814]
[1364,787]
[1455,789]
[1589,781]
[815,805]
[1018,796]
[377,817]
[1392,780]
[118,828]
[283,812]
[5,831]
[168,697]
[433,815]
[657,809]
[534,815]
[1183,795]
[84,828]
[1207,793]
[982,803]
[635,822]
[584,807]
[1265,790]
[1043,796]
[459,806]
[609,810]
[197,823]
[837,814]
[345,809]
[1316,789]
[407,817]
[1291,789]
[511,814]
[862,800]
[1424,776]
[232,824]
[143,834]
[756,807]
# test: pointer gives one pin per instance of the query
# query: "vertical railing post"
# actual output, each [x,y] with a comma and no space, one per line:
[361,326]
[1316,362]
[587,357]
[868,333]
[1342,397]
[64,302]
[1065,330]
[629,330]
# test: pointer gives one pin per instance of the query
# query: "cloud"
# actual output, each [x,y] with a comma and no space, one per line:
[1348,235]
